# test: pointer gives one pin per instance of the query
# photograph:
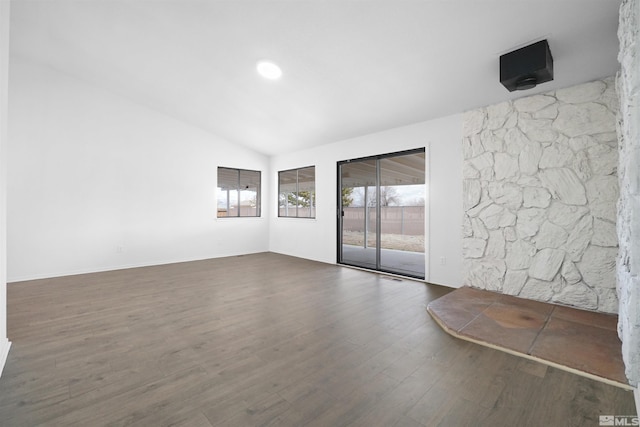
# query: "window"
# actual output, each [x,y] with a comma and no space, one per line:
[238,193]
[297,193]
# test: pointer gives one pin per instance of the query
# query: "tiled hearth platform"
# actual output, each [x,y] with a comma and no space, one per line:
[579,341]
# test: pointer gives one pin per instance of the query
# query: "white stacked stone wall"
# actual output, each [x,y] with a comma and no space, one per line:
[540,191]
[628,267]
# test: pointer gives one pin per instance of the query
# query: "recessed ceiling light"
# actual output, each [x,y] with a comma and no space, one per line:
[269,70]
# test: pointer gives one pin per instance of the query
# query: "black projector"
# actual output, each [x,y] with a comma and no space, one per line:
[526,67]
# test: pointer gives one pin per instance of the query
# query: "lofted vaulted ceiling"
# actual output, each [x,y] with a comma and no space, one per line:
[350,67]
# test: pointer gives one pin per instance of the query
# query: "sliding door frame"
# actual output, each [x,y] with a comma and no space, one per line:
[340,210]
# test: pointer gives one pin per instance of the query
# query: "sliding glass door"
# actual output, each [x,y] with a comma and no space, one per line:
[382,213]
[359,221]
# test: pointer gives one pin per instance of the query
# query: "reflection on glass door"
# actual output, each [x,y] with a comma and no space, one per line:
[402,200]
[382,213]
[359,232]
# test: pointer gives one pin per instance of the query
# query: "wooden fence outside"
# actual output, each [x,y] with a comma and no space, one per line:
[403,220]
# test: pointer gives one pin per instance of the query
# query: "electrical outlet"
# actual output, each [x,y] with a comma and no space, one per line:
[119,249]
[443,260]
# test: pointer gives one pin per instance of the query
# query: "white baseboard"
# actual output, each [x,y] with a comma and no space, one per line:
[4,353]
[115,267]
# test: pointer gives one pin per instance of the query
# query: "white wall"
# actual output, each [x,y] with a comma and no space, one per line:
[316,239]
[97,182]
[4,69]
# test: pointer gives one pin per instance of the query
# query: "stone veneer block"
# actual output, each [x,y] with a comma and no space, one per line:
[556,156]
[482,162]
[505,193]
[514,281]
[530,104]
[478,229]
[579,238]
[575,294]
[546,264]
[472,147]
[603,189]
[486,274]
[505,166]
[537,289]
[598,266]
[529,157]
[566,216]
[529,222]
[496,244]
[585,119]
[520,255]
[472,192]
[515,141]
[474,122]
[604,233]
[496,216]
[497,115]
[582,93]
[564,184]
[550,236]
[473,247]
[570,273]
[535,197]
[603,159]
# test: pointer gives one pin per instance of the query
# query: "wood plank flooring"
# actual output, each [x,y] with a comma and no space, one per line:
[266,340]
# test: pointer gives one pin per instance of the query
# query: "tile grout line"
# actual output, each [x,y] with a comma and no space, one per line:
[475,317]
[546,321]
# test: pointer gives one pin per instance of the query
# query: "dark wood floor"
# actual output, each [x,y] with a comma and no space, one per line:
[266,340]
